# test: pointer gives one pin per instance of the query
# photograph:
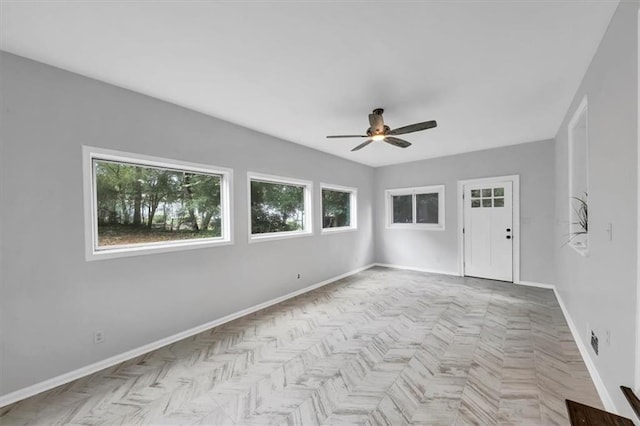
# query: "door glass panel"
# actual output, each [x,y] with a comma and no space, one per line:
[498,192]
[427,208]
[402,209]
[486,192]
[475,193]
[475,203]
[498,202]
[486,202]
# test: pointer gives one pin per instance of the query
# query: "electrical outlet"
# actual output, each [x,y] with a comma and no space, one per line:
[607,337]
[298,276]
[98,337]
[594,342]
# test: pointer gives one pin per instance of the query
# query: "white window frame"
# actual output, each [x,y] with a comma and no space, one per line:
[390,193]
[93,252]
[581,245]
[308,207]
[353,209]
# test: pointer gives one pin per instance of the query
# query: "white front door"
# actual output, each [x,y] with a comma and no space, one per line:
[488,230]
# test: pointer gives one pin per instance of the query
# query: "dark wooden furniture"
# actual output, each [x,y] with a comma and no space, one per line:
[584,415]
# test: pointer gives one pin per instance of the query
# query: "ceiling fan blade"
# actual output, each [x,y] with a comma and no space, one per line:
[413,128]
[377,123]
[347,136]
[362,145]
[397,142]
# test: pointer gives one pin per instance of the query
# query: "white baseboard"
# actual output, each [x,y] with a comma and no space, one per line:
[37,388]
[411,268]
[593,371]
[100,365]
[535,284]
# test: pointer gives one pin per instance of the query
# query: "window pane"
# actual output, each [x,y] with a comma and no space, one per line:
[498,202]
[475,203]
[276,207]
[486,192]
[141,204]
[427,208]
[486,203]
[336,208]
[475,193]
[498,192]
[402,209]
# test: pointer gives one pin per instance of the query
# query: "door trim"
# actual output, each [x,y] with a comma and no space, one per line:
[515,179]
[637,354]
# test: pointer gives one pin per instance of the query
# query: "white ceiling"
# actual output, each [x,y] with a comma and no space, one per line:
[492,73]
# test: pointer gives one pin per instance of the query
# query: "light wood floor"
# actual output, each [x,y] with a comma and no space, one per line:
[383,347]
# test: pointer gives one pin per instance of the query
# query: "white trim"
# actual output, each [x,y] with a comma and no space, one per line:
[93,252]
[100,365]
[637,357]
[593,371]
[413,191]
[337,230]
[535,284]
[515,180]
[411,268]
[307,226]
[581,110]
[353,209]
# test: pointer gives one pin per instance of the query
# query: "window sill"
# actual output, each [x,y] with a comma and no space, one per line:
[338,230]
[416,227]
[150,248]
[582,250]
[259,238]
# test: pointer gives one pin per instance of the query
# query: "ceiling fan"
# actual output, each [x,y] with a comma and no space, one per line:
[380,132]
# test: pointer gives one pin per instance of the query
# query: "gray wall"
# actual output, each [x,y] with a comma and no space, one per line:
[600,289]
[52,299]
[438,250]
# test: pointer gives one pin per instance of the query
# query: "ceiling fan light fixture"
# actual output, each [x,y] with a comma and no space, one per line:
[379,132]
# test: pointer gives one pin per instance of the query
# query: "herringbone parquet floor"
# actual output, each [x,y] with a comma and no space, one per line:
[383,347]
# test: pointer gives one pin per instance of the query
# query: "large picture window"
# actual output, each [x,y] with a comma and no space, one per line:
[279,207]
[418,208]
[339,208]
[139,204]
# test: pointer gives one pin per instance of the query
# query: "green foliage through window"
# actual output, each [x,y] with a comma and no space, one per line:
[336,208]
[276,207]
[143,204]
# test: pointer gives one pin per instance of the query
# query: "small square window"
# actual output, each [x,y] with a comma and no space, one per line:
[475,193]
[498,192]
[498,202]
[338,208]
[416,208]
[475,203]
[486,193]
[486,202]
[279,207]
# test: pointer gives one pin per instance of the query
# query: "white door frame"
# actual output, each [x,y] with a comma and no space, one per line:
[515,179]
[637,357]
